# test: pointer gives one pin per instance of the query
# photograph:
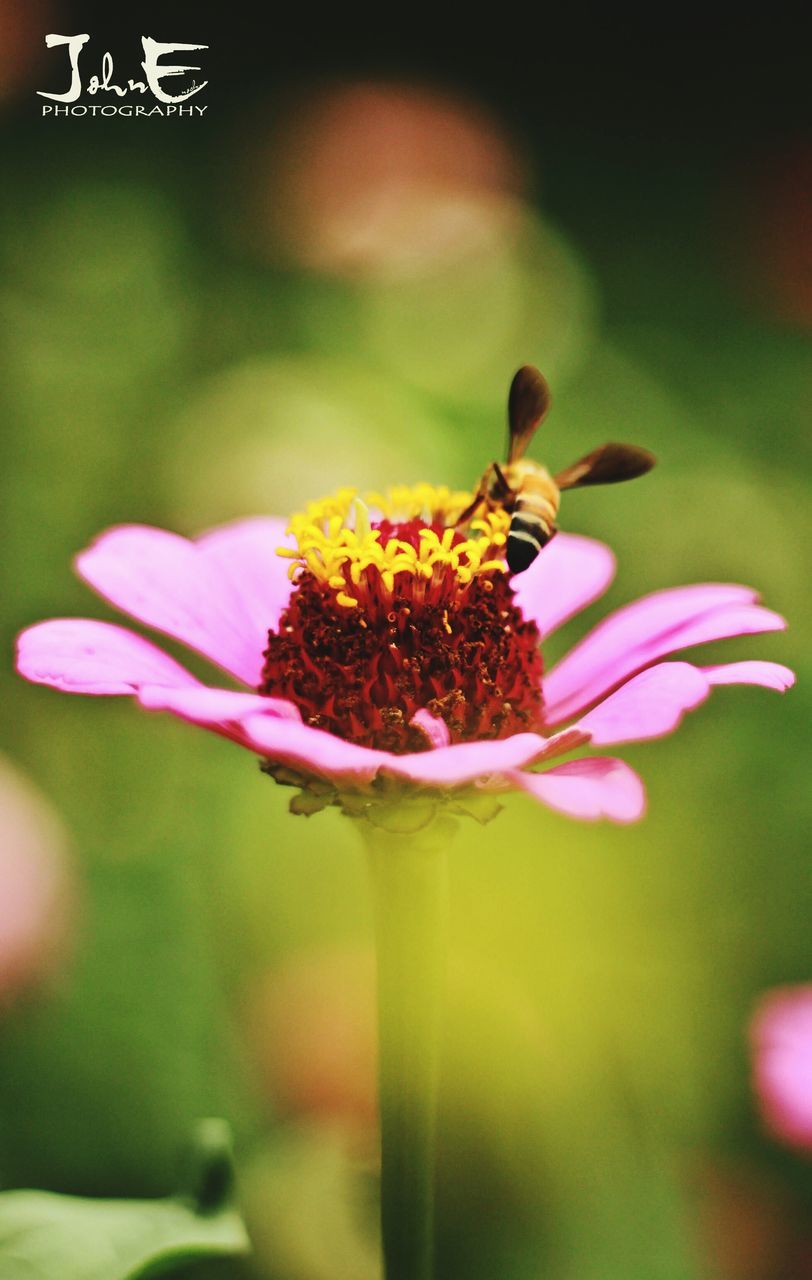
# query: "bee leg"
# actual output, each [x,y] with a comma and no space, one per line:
[479,498]
[502,491]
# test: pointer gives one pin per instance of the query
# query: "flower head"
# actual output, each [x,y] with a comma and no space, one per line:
[781,1038]
[384,650]
[393,618]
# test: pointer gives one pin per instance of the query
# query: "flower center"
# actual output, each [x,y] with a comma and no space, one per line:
[402,612]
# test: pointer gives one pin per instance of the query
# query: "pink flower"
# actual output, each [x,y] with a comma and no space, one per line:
[400,656]
[36,889]
[781,1040]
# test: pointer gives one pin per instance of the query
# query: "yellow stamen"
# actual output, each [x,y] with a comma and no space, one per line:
[336,544]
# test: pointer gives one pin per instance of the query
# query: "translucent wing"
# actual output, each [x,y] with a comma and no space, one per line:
[528,402]
[607,465]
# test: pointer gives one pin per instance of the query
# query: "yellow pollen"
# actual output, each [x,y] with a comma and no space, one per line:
[336,544]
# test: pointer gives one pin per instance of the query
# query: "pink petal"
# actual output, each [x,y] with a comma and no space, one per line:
[312,750]
[332,757]
[770,675]
[781,1037]
[468,761]
[649,705]
[80,655]
[597,787]
[651,628]
[204,706]
[245,552]
[211,594]
[565,577]
[434,727]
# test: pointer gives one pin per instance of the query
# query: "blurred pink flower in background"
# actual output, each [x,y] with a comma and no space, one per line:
[781,1040]
[358,178]
[436,691]
[36,894]
[312,1022]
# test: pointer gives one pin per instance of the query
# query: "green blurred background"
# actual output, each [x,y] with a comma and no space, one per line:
[330,279]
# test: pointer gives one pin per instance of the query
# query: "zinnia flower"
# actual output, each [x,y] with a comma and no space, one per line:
[381,650]
[781,1039]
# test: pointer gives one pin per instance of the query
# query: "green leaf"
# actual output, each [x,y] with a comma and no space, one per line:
[44,1236]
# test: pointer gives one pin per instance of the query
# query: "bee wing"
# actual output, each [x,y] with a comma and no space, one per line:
[528,403]
[606,465]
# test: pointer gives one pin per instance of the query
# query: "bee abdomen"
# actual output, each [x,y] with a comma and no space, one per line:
[527,534]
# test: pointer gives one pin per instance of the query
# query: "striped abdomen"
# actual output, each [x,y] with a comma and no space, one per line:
[533,521]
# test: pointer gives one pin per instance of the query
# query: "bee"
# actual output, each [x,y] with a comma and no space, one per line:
[526,490]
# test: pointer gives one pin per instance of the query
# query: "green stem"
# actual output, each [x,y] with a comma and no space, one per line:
[409,882]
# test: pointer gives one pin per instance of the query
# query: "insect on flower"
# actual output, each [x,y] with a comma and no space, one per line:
[383,649]
[526,490]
